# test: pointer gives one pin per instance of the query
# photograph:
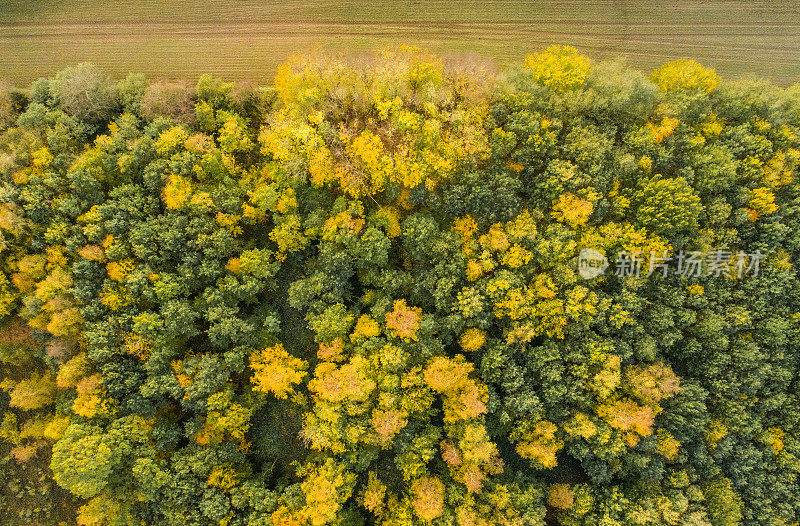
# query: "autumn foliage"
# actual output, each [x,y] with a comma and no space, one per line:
[352,297]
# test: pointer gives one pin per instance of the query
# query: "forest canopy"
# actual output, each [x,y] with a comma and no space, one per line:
[356,297]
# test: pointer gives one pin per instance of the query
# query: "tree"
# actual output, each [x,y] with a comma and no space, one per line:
[173,99]
[667,206]
[84,92]
[275,371]
[558,67]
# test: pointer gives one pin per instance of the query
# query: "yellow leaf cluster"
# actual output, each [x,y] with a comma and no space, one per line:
[712,126]
[388,423]
[473,339]
[572,210]
[170,140]
[225,420]
[177,191]
[496,239]
[350,382]
[93,253]
[665,129]
[10,220]
[779,171]
[695,289]
[444,374]
[325,489]
[70,373]
[475,458]
[366,327]
[685,74]
[403,321]
[465,227]
[283,516]
[229,222]
[581,426]
[374,494]
[625,415]
[411,142]
[33,392]
[608,378]
[223,477]
[538,442]
[715,432]
[653,383]
[497,506]
[118,270]
[667,445]
[137,345]
[516,257]
[276,371]
[91,399]
[427,497]
[775,439]
[389,217]
[331,351]
[99,511]
[288,234]
[343,223]
[560,68]
[41,158]
[761,203]
[464,397]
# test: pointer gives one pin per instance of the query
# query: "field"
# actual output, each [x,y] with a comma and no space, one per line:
[246,39]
